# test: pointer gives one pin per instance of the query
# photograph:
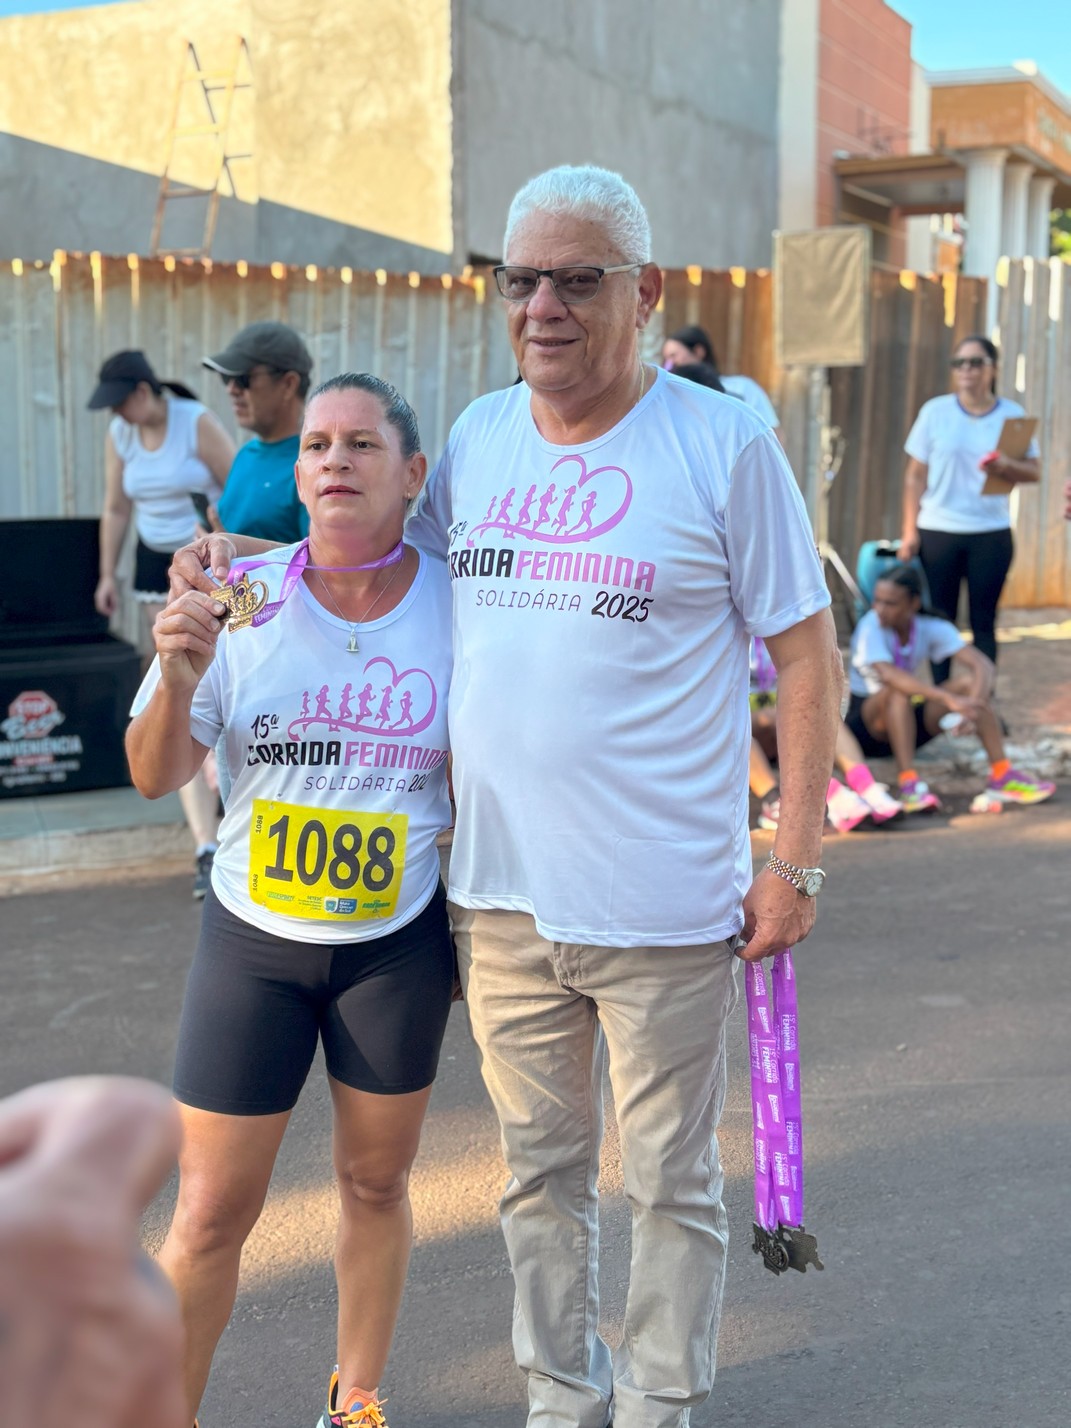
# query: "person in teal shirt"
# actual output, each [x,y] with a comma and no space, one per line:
[263,499]
[266,372]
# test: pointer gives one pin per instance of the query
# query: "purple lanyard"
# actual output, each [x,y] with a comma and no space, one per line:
[904,655]
[773,1035]
[765,673]
[296,567]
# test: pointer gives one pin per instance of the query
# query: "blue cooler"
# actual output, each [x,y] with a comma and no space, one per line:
[875,558]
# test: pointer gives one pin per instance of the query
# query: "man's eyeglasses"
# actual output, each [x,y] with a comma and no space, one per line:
[243,380]
[972,362]
[571,285]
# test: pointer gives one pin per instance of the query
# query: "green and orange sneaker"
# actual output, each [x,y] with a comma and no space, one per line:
[1016,787]
[349,1410]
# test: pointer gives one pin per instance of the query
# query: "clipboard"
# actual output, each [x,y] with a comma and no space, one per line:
[1015,437]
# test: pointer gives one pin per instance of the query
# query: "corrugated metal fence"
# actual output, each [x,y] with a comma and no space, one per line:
[443,342]
[439,341]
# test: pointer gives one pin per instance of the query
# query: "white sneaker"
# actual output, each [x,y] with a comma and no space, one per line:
[845,808]
[881,803]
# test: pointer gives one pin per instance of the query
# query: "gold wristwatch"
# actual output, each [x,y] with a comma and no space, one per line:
[807,881]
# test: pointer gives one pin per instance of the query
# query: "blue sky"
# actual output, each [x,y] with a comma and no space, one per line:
[34,7]
[983,34]
[947,34]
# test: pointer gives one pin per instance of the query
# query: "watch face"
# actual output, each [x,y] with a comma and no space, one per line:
[812,882]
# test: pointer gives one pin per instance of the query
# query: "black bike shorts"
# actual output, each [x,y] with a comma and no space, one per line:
[873,747]
[257,1003]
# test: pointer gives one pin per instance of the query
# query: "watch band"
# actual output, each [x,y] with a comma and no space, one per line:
[798,877]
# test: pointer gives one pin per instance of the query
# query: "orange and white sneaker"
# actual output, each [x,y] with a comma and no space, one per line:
[351,1410]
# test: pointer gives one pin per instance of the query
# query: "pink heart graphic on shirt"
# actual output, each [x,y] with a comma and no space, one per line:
[389,702]
[566,507]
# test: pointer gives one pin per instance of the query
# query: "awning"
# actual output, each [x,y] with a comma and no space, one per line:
[918,183]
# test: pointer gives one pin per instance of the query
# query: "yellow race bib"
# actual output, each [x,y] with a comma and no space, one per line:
[325,864]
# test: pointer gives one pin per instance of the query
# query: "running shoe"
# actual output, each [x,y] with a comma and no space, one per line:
[845,808]
[1016,787]
[915,797]
[770,813]
[359,1415]
[883,807]
[202,877]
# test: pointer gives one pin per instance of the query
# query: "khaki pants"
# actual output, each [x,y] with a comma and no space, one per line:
[546,1016]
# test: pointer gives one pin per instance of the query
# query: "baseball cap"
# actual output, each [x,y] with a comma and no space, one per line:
[118,378]
[270,344]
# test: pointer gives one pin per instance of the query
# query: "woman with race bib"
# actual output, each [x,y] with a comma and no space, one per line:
[326,919]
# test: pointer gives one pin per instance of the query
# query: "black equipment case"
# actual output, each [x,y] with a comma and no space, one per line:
[66,684]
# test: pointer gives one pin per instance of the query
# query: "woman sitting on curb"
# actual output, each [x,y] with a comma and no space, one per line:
[863,800]
[893,712]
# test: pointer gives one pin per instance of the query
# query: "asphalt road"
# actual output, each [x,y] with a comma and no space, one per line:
[935,1006]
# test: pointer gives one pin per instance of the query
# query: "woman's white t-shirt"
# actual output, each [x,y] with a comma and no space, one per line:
[932,639]
[950,442]
[160,482]
[604,598]
[337,761]
[747,390]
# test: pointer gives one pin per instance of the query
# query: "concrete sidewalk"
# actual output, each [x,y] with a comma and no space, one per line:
[111,829]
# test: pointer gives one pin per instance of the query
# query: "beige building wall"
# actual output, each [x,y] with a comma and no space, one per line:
[349,118]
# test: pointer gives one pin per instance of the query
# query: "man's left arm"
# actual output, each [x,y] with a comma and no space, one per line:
[810,676]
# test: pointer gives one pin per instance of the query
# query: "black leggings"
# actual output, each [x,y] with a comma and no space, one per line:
[983,559]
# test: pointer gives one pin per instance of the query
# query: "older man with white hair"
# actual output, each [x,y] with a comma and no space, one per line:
[616,536]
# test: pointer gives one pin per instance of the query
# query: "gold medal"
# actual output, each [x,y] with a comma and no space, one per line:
[243,599]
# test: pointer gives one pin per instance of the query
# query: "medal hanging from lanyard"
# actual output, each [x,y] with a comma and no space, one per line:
[773,1037]
[904,655]
[247,601]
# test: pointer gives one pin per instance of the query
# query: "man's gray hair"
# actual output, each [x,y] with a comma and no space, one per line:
[584,191]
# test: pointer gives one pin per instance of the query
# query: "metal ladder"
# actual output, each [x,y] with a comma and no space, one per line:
[227,82]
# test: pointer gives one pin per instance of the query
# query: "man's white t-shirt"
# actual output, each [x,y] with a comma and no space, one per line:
[951,442]
[604,597]
[160,482]
[338,761]
[932,639]
[747,390]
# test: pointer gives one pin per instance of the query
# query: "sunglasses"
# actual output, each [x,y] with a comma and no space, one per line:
[572,285]
[244,380]
[974,363]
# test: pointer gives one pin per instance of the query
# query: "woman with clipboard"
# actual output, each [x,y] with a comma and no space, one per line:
[966,451]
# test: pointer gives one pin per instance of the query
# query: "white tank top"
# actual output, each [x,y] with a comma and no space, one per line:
[159,482]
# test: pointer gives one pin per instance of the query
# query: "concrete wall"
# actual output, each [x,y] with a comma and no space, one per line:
[680,98]
[348,121]
[391,133]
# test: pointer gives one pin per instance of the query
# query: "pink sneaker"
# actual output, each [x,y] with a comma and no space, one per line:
[883,807]
[1016,787]
[845,808]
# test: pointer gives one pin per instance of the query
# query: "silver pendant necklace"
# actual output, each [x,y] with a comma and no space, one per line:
[352,647]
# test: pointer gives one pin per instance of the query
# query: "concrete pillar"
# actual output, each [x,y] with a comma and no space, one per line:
[1039,206]
[984,212]
[797,204]
[1013,227]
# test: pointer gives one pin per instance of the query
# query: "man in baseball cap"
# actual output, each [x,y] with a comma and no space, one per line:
[265,369]
[262,344]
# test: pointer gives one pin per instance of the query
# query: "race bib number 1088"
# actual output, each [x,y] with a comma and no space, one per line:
[325,864]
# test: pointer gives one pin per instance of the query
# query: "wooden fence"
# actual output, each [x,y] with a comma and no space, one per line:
[915,323]
[443,342]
